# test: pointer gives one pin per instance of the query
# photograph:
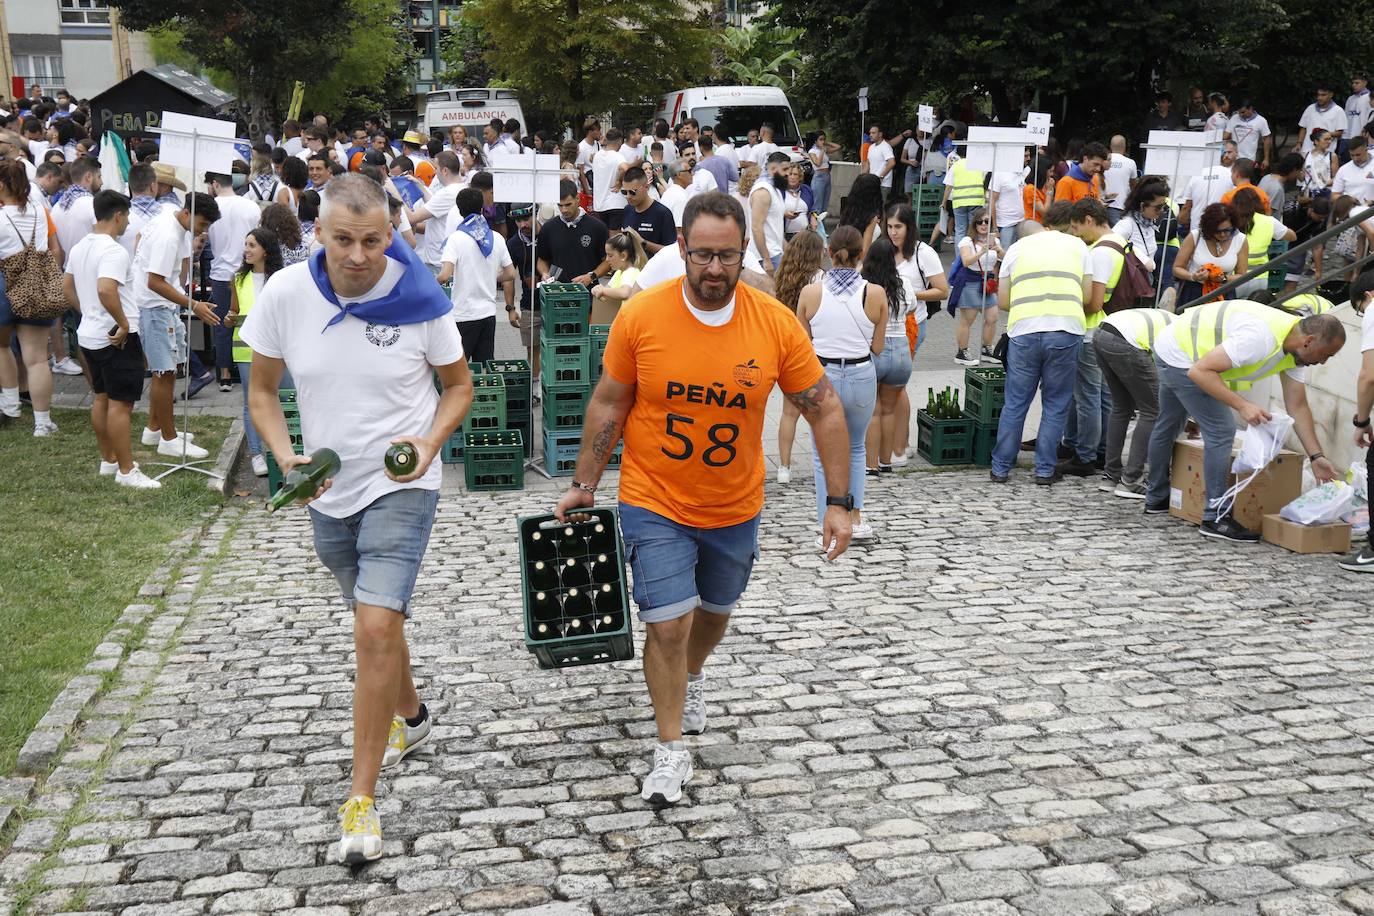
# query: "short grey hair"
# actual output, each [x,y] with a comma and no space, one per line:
[357,193]
[1328,329]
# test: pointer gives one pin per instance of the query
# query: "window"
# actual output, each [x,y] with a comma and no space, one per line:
[84,12]
[43,69]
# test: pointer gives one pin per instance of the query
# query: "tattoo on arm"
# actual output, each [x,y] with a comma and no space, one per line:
[812,398]
[604,443]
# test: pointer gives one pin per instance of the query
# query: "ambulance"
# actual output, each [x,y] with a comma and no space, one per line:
[734,111]
[472,108]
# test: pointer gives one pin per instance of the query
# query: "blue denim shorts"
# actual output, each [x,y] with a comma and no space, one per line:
[678,568]
[163,334]
[375,554]
[9,319]
[893,365]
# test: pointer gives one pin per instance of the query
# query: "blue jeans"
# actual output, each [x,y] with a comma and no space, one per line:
[1180,398]
[820,192]
[1046,360]
[678,568]
[249,430]
[1007,234]
[961,218]
[857,387]
[375,553]
[221,294]
[893,366]
[1085,433]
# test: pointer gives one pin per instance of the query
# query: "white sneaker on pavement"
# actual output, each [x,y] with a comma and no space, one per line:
[137,479]
[172,448]
[361,830]
[784,474]
[66,366]
[899,461]
[861,532]
[694,709]
[43,428]
[108,468]
[153,437]
[259,465]
[403,739]
[672,768]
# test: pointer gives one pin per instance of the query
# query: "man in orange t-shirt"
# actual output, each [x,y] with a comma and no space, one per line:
[686,378]
[1084,178]
[1243,174]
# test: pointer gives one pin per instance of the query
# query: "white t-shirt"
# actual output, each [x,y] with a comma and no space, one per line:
[358,385]
[74,223]
[667,264]
[1313,117]
[1205,189]
[1141,234]
[1247,340]
[1202,254]
[1117,179]
[161,249]
[916,271]
[237,215]
[1217,121]
[292,145]
[675,198]
[1044,323]
[585,151]
[18,229]
[95,257]
[879,155]
[475,291]
[911,150]
[1356,113]
[1248,134]
[136,223]
[1367,331]
[1011,207]
[606,165]
[1356,181]
[986,262]
[728,153]
[761,151]
[1104,262]
[440,207]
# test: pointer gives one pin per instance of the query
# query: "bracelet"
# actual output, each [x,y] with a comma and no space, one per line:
[1315,455]
[578,485]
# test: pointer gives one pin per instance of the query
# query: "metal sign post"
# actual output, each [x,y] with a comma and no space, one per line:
[1038,132]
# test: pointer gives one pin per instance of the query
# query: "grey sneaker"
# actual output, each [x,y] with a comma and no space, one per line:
[672,768]
[694,710]
[1361,561]
[403,739]
[1130,490]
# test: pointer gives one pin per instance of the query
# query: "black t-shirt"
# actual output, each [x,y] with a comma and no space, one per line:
[576,249]
[519,249]
[655,224]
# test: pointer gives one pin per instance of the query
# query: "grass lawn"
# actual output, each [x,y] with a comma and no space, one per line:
[76,548]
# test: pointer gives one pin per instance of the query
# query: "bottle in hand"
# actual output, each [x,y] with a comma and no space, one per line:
[400,459]
[304,479]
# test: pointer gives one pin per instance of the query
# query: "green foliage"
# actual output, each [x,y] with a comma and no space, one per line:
[464,56]
[375,69]
[580,57]
[761,55]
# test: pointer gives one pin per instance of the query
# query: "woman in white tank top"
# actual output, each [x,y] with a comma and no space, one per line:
[846,318]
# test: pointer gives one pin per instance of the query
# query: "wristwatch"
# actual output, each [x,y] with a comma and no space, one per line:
[510,308]
[844,502]
[1358,425]
[585,488]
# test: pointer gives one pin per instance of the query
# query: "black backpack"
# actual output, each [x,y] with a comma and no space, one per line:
[1135,282]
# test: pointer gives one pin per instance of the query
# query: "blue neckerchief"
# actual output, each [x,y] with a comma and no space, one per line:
[840,280]
[415,299]
[146,206]
[410,189]
[475,227]
[72,194]
[1076,171]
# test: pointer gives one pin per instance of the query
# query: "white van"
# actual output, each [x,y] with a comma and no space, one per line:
[734,111]
[472,108]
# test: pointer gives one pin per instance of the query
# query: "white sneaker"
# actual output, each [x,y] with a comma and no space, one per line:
[910,452]
[694,709]
[153,437]
[403,739]
[784,474]
[137,479]
[259,465]
[672,768]
[361,829]
[43,428]
[66,366]
[898,461]
[861,532]
[108,468]
[172,448]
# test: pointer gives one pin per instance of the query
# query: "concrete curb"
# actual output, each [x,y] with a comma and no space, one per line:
[227,462]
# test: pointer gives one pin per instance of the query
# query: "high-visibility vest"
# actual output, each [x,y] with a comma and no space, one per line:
[1307,305]
[1203,328]
[1095,318]
[1047,279]
[1140,326]
[1173,235]
[967,190]
[1260,235]
[243,285]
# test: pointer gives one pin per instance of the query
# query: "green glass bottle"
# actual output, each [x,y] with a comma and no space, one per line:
[930,401]
[955,411]
[305,479]
[400,459]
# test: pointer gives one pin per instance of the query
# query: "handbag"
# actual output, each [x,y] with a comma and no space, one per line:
[33,281]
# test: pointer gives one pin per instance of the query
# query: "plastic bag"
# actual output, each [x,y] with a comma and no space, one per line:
[1358,478]
[1328,503]
[1258,446]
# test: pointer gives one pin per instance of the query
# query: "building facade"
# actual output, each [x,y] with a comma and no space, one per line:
[77,45]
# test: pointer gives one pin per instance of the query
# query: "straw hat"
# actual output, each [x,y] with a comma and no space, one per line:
[413,138]
[166,174]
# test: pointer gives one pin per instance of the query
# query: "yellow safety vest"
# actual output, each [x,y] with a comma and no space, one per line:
[1259,237]
[1095,319]
[1307,305]
[243,285]
[1173,236]
[1140,326]
[967,190]
[1047,279]
[1203,328]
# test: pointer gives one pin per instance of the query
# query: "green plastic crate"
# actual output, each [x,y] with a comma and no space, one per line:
[570,639]
[943,442]
[985,390]
[565,361]
[984,438]
[565,309]
[452,450]
[488,410]
[1277,275]
[561,448]
[600,334]
[516,374]
[564,407]
[494,461]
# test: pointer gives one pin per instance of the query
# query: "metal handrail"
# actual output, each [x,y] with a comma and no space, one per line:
[1313,284]
[1264,268]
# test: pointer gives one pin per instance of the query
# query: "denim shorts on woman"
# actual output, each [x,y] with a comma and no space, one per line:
[677,568]
[163,334]
[9,319]
[375,553]
[893,365]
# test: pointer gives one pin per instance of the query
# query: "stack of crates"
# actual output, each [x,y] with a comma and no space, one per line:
[600,334]
[925,204]
[293,428]
[452,452]
[515,373]
[494,460]
[565,374]
[985,391]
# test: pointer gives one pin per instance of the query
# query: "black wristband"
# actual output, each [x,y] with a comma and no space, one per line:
[1358,425]
[1315,455]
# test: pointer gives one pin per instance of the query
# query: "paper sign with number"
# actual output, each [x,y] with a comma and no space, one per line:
[863,99]
[1038,127]
[925,118]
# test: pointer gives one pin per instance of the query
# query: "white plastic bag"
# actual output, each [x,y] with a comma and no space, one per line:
[1358,478]
[1328,503]
[1258,446]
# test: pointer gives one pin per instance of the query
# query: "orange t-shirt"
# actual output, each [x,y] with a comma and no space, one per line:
[1071,189]
[1030,196]
[1230,195]
[694,436]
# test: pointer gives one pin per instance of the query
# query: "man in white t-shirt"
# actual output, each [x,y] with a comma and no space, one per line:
[1219,106]
[1361,300]
[1207,188]
[1249,129]
[237,215]
[97,283]
[746,152]
[880,159]
[1117,179]
[667,264]
[1008,205]
[362,343]
[74,215]
[1357,108]
[1356,178]
[1323,113]
[586,149]
[607,167]
[765,147]
[433,214]
[767,206]
[478,261]
[679,190]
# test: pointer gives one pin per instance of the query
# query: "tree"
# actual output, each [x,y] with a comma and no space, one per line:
[761,55]
[581,57]
[464,56]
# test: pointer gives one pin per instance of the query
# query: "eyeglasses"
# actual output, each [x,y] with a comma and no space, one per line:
[1226,233]
[629,192]
[703,256]
[983,222]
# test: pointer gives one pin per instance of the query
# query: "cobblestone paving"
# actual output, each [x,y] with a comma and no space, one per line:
[1017,701]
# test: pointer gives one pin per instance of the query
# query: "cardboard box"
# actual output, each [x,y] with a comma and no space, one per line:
[1306,538]
[1276,486]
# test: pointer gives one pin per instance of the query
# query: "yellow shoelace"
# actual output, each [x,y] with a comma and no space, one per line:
[397,736]
[354,813]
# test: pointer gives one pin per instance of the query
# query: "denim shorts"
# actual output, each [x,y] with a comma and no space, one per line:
[893,365]
[163,334]
[677,568]
[375,554]
[9,319]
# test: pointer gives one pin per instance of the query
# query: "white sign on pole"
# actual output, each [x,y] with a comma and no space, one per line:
[925,118]
[1180,154]
[207,152]
[863,99]
[1038,127]
[525,179]
[996,149]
